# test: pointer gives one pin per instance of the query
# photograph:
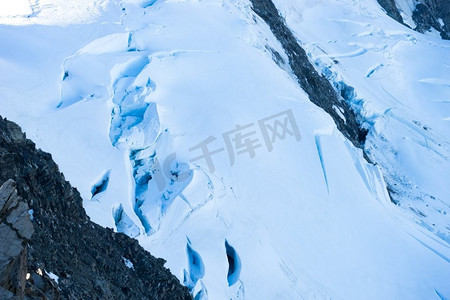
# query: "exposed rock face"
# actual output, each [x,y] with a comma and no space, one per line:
[433,14]
[318,88]
[391,9]
[15,232]
[427,14]
[88,260]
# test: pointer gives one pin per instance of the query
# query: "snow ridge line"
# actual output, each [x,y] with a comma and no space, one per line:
[318,88]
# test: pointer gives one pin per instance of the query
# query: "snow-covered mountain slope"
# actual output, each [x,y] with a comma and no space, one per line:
[399,88]
[182,124]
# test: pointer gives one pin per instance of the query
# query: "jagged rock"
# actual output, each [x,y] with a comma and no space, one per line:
[391,9]
[318,88]
[427,14]
[6,295]
[86,258]
[15,231]
[433,14]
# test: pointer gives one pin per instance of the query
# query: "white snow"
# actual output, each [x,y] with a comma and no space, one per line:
[50,12]
[128,263]
[406,8]
[400,83]
[308,218]
[15,8]
[52,276]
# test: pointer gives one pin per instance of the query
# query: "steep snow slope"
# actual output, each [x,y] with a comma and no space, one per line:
[285,207]
[400,89]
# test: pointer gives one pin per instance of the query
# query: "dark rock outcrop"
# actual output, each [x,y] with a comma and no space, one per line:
[427,14]
[88,260]
[433,14]
[391,10]
[318,88]
[15,232]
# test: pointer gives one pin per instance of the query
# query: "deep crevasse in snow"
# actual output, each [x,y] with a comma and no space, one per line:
[398,87]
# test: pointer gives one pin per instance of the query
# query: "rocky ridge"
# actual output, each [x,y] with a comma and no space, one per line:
[50,249]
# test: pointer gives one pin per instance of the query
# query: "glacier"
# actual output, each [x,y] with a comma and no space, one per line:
[126,97]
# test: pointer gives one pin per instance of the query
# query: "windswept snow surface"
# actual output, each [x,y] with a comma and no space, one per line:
[50,12]
[285,207]
[401,83]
